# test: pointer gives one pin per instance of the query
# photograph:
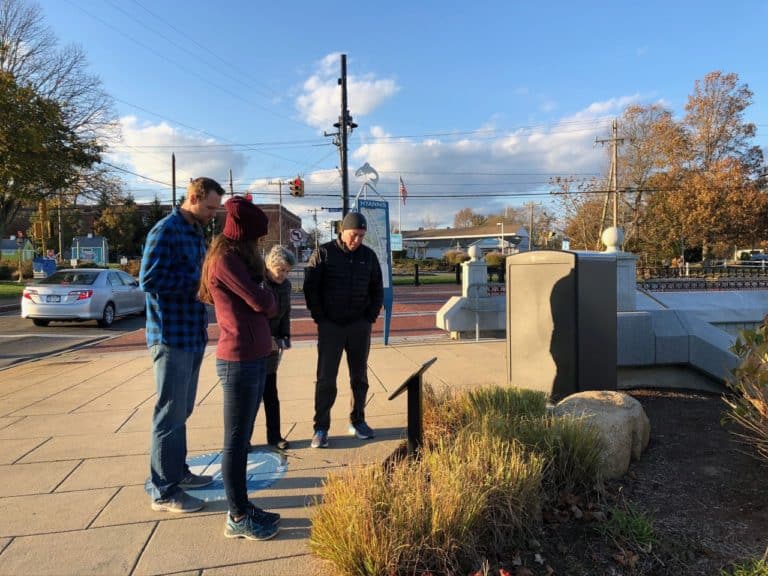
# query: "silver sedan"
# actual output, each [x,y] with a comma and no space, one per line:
[82,294]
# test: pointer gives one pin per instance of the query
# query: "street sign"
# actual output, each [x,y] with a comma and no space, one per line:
[297,235]
[331,209]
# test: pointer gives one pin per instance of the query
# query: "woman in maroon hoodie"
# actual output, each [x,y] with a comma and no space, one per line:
[233,281]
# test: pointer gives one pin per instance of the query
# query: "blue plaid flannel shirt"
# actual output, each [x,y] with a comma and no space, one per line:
[170,275]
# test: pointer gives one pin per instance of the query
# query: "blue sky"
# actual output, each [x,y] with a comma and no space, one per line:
[475,104]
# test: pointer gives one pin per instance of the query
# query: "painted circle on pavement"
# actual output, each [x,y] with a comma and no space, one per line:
[263,469]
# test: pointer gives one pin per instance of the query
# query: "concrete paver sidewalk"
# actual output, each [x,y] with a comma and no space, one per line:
[74,437]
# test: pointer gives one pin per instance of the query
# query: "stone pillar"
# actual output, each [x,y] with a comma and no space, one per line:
[626,264]
[474,273]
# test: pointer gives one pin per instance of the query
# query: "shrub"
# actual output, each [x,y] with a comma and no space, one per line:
[447,412]
[133,267]
[628,527]
[495,259]
[754,567]
[421,517]
[9,269]
[453,257]
[748,405]
[491,457]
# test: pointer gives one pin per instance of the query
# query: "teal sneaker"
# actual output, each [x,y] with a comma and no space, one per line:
[262,516]
[249,528]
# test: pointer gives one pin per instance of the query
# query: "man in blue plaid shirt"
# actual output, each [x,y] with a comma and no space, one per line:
[177,332]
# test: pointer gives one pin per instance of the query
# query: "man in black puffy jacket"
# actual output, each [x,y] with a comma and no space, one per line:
[344,292]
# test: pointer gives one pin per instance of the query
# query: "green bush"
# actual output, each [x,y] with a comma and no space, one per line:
[628,527]
[748,403]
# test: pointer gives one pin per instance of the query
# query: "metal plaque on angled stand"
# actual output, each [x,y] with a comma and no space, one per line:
[415,406]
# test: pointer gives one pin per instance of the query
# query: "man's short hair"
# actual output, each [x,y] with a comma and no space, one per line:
[200,187]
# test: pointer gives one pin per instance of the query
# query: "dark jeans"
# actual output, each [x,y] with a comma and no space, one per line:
[332,340]
[271,410]
[243,385]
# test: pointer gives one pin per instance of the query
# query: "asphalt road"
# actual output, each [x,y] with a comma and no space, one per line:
[21,340]
[413,316]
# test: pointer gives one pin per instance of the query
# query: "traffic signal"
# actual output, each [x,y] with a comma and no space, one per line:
[297,187]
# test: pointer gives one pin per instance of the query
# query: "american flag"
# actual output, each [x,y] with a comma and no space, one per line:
[403,190]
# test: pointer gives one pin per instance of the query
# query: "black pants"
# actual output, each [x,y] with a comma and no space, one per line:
[272,409]
[332,340]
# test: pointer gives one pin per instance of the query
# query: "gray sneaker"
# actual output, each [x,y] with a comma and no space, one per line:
[192,481]
[320,439]
[361,430]
[179,503]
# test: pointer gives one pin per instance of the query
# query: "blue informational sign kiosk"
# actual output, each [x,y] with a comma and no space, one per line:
[377,238]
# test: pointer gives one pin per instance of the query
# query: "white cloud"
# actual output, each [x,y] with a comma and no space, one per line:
[319,102]
[146,149]
[489,171]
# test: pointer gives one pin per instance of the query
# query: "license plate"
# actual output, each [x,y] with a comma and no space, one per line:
[54,298]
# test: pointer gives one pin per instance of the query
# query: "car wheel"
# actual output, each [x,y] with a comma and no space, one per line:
[108,316]
[38,322]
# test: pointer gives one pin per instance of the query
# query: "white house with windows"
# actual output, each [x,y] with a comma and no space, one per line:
[434,243]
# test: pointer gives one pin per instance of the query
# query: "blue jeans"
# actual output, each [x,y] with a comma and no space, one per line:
[243,386]
[176,373]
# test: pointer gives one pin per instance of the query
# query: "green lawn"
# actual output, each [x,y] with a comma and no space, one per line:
[11,289]
[432,278]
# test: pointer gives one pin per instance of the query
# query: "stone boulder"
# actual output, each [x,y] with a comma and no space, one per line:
[621,421]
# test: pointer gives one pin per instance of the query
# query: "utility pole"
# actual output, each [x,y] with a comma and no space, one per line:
[614,178]
[314,212]
[231,184]
[279,208]
[61,254]
[344,127]
[173,180]
[530,226]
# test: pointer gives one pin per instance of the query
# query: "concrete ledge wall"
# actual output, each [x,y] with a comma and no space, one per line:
[688,328]
[673,377]
[460,316]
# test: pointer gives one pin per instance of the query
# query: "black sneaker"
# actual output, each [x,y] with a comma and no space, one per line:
[192,481]
[281,444]
[262,516]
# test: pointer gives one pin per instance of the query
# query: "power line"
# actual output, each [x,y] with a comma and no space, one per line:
[183,68]
[241,73]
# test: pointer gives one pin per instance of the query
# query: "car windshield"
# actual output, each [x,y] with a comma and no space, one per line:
[70,277]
